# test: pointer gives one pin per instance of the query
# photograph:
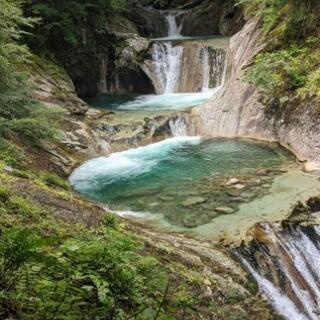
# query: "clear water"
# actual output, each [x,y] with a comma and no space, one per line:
[164,102]
[160,177]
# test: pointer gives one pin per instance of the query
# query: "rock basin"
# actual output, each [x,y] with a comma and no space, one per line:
[190,184]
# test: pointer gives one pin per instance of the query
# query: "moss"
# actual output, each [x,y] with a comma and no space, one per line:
[4,194]
[24,207]
[55,180]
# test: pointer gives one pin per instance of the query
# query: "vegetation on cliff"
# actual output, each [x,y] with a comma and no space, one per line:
[77,34]
[290,61]
[62,257]
[21,118]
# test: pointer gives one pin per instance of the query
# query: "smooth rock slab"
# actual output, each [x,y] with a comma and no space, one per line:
[191,201]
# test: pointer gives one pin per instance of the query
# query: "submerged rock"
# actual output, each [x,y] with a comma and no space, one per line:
[193,201]
[224,210]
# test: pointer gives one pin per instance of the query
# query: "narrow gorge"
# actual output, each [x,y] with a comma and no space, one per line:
[163,162]
[214,188]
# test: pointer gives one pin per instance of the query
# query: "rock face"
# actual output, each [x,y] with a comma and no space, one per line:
[88,133]
[213,18]
[237,111]
[127,76]
[199,17]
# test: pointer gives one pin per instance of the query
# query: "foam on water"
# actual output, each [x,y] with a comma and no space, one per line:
[126,164]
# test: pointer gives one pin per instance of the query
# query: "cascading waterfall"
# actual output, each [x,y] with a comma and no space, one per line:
[168,58]
[285,262]
[173,29]
[178,127]
[185,67]
[168,63]
[214,67]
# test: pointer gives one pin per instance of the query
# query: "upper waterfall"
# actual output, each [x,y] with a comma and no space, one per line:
[173,29]
[181,65]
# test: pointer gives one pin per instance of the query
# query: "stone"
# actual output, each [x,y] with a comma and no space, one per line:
[232,181]
[191,201]
[224,210]
[8,169]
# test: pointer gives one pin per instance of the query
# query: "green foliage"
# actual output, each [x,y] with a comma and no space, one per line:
[65,19]
[291,60]
[55,180]
[285,20]
[18,205]
[110,221]
[18,113]
[287,69]
[93,275]
[9,153]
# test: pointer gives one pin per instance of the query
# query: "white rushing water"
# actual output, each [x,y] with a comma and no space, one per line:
[178,127]
[297,256]
[169,59]
[280,302]
[173,29]
[129,163]
[167,65]
[214,69]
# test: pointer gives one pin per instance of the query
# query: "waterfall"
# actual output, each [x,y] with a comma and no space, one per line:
[205,70]
[168,58]
[178,127]
[185,66]
[173,29]
[285,262]
[214,68]
[167,61]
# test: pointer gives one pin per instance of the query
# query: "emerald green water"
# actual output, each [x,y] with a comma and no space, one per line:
[163,178]
[162,102]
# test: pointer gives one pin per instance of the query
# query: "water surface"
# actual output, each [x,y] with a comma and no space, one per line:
[164,102]
[182,179]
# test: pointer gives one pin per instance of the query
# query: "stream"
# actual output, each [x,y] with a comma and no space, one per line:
[210,188]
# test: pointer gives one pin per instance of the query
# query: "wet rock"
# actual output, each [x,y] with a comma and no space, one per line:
[224,210]
[191,201]
[8,169]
